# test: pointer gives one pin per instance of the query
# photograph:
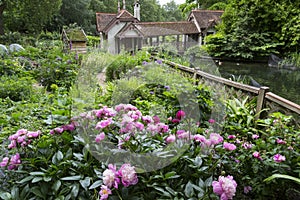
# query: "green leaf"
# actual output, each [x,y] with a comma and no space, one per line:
[198,161]
[47,178]
[208,181]
[164,193]
[79,156]
[59,156]
[26,179]
[25,192]
[75,190]
[171,191]
[201,183]
[37,173]
[37,179]
[189,190]
[297,180]
[96,184]
[15,192]
[5,196]
[171,175]
[71,178]
[37,192]
[56,185]
[85,183]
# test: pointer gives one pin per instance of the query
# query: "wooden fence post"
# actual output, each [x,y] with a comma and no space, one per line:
[260,100]
[196,69]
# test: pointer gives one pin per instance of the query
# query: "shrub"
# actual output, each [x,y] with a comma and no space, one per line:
[93,41]
[16,88]
[125,62]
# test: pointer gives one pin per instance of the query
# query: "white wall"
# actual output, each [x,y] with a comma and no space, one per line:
[111,37]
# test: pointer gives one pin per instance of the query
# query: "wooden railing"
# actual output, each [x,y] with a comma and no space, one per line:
[265,98]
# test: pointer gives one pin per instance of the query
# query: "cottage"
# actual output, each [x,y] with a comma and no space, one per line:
[74,40]
[124,31]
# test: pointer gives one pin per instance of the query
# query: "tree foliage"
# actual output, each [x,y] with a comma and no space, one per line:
[252,29]
[202,4]
[172,12]
[27,15]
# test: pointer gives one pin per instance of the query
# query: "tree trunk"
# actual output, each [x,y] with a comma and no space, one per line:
[2,6]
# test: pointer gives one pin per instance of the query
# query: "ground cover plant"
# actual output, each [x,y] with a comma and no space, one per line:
[150,147]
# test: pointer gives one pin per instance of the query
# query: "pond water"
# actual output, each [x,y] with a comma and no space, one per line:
[285,83]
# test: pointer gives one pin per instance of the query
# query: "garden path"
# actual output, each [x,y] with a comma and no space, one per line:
[101,78]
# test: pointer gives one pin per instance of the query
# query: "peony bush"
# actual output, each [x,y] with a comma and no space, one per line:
[68,161]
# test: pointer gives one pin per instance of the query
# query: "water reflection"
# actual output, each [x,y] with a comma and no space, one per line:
[282,82]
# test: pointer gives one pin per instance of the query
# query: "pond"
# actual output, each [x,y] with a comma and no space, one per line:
[283,82]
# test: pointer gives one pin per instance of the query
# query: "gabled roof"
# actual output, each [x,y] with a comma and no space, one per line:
[129,27]
[125,15]
[204,18]
[103,19]
[106,20]
[166,28]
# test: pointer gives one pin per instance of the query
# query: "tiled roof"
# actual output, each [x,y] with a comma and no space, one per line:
[106,20]
[124,14]
[103,19]
[166,28]
[205,17]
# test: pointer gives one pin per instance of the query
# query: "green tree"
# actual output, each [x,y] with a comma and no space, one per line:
[252,29]
[27,15]
[202,4]
[172,12]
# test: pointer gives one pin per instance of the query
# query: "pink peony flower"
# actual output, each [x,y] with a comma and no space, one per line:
[58,130]
[104,123]
[247,189]
[199,138]
[147,119]
[139,126]
[255,136]
[4,162]
[180,114]
[104,192]
[162,128]
[247,145]
[100,137]
[32,134]
[69,127]
[280,141]
[21,132]
[21,139]
[225,187]
[110,177]
[175,121]
[152,128]
[256,154]
[105,112]
[128,175]
[211,121]
[278,158]
[156,119]
[181,134]
[14,162]
[215,138]
[135,114]
[13,144]
[170,139]
[229,146]
[231,137]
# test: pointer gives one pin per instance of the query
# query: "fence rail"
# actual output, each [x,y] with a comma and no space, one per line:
[265,98]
